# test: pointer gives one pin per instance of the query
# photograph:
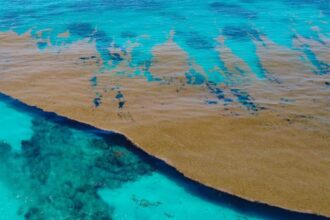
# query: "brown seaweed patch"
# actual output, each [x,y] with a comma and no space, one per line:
[170,61]
[260,157]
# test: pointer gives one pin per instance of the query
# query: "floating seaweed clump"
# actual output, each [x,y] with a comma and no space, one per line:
[59,171]
[194,78]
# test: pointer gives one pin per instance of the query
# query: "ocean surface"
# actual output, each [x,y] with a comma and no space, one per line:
[55,168]
[145,68]
[197,26]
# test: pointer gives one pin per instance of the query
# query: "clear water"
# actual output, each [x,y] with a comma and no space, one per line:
[15,127]
[66,170]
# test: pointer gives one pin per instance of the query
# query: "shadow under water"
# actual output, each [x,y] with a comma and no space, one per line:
[64,169]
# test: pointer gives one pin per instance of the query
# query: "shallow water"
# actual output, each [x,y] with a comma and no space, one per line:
[67,170]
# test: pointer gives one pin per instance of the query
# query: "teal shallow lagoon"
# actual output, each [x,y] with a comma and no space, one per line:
[68,170]
[9,204]
[15,126]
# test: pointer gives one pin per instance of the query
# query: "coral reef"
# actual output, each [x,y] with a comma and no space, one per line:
[59,170]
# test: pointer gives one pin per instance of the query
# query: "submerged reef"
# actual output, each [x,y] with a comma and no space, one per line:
[59,170]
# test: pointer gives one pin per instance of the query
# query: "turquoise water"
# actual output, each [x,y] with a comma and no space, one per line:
[196,24]
[66,170]
[15,126]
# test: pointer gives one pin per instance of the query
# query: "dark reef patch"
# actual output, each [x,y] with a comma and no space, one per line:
[81,29]
[196,41]
[115,57]
[144,5]
[322,5]
[121,104]
[232,9]
[243,32]
[68,166]
[322,67]
[211,102]
[42,45]
[97,101]
[5,148]
[245,99]
[194,78]
[102,40]
[93,81]
[119,95]
[128,34]
[121,99]
[219,93]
